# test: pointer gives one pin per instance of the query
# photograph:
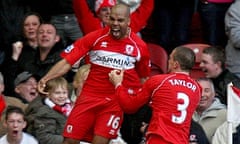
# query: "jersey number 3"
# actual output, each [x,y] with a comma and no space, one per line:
[182,108]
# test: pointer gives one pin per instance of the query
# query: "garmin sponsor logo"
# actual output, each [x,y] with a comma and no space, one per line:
[106,59]
[112,59]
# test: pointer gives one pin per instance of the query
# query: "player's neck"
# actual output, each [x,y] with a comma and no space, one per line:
[182,72]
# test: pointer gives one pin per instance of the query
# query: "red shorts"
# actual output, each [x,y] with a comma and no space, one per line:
[93,116]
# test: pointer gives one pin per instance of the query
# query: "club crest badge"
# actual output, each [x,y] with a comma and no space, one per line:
[129,49]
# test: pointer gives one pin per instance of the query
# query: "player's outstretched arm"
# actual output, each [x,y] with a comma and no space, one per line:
[57,70]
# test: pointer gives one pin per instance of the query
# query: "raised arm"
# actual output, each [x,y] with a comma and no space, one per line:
[57,70]
[139,18]
[86,19]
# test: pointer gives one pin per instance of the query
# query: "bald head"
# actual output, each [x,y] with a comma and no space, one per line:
[121,8]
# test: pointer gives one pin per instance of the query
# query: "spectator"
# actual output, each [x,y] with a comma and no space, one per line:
[210,113]
[102,9]
[48,51]
[78,80]
[232,28]
[172,21]
[47,115]
[30,25]
[213,65]
[7,101]
[61,14]
[221,134]
[11,15]
[113,47]
[26,87]
[197,134]
[133,122]
[64,19]
[15,123]
[212,13]
[23,51]
[170,121]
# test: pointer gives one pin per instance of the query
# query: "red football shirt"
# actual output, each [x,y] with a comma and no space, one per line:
[106,54]
[173,99]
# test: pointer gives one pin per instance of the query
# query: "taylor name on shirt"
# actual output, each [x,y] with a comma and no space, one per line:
[180,82]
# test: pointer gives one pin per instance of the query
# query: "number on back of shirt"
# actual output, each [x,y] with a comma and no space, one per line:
[182,108]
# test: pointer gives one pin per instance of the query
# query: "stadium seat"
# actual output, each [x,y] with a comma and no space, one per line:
[159,59]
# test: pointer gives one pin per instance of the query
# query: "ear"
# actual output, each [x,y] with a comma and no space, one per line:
[17,89]
[176,64]
[57,38]
[24,124]
[219,64]
[1,88]
[129,22]
[4,123]
[215,93]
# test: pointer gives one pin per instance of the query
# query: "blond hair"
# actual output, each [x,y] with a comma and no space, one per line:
[81,74]
[55,83]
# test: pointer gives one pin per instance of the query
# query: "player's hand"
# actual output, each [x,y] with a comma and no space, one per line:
[116,77]
[41,86]
[143,127]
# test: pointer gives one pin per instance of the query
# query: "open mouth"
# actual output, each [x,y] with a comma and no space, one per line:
[15,133]
[203,100]
[205,70]
[115,33]
[33,94]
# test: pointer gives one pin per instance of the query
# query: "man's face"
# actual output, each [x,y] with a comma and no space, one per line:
[119,22]
[209,67]
[15,124]
[207,96]
[59,95]
[47,36]
[28,89]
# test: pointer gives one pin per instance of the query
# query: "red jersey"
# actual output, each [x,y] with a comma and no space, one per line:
[88,22]
[173,99]
[105,54]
